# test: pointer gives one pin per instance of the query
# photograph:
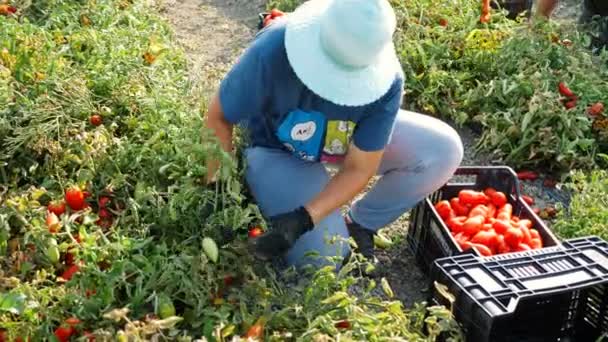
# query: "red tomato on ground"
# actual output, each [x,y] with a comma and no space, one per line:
[96,120]
[596,109]
[52,222]
[529,200]
[443,22]
[104,201]
[69,272]
[75,198]
[63,333]
[343,325]
[255,232]
[57,207]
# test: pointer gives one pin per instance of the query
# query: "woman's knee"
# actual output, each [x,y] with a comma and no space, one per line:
[425,142]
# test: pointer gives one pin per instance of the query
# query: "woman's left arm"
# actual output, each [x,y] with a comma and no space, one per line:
[358,168]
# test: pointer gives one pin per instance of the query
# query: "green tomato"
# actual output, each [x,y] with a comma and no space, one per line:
[165,307]
[52,251]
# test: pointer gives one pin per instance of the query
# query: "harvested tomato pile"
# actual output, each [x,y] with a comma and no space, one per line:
[485,221]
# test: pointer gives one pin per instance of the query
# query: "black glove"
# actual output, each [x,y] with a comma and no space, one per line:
[285,230]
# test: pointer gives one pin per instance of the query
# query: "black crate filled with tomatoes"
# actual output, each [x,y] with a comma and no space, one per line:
[483,213]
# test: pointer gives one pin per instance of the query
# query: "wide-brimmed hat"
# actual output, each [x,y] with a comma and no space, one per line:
[342,50]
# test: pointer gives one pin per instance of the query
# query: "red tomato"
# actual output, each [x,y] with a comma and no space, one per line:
[472,198]
[455,223]
[483,250]
[522,247]
[465,245]
[96,120]
[505,212]
[57,207]
[444,210]
[72,321]
[255,232]
[228,280]
[75,198]
[501,227]
[69,258]
[526,232]
[536,244]
[104,201]
[513,237]
[479,210]
[525,222]
[570,104]
[529,200]
[69,272]
[473,225]
[534,233]
[104,213]
[343,325]
[491,211]
[498,199]
[527,175]
[52,222]
[88,335]
[63,333]
[501,245]
[459,209]
[489,192]
[487,226]
[486,238]
[596,109]
[443,22]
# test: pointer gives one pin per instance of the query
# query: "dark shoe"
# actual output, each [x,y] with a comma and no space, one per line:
[364,239]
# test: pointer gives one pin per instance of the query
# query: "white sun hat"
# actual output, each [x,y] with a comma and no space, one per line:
[342,50]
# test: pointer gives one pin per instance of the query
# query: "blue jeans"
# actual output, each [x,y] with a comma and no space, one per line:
[421,156]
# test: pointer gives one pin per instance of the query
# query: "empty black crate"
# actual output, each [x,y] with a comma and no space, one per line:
[429,238]
[552,294]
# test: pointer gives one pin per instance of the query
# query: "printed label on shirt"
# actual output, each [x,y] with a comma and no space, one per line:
[302,133]
[309,136]
[337,140]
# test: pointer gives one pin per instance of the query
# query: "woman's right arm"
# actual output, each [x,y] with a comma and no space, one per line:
[215,121]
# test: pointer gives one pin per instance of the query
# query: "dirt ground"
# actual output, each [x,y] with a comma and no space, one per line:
[214,32]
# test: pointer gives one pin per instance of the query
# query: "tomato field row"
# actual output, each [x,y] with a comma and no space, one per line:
[105,222]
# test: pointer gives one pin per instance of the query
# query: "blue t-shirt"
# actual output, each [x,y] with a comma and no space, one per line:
[263,94]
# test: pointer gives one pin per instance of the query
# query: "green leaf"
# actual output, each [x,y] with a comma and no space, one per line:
[526,120]
[12,302]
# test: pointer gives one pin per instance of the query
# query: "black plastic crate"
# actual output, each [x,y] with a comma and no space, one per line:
[429,238]
[552,294]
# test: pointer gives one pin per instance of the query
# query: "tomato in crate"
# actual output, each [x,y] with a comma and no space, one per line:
[485,215]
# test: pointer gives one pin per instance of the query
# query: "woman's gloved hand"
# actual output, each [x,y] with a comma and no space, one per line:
[285,230]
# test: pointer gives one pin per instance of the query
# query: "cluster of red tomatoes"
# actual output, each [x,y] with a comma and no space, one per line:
[485,222]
